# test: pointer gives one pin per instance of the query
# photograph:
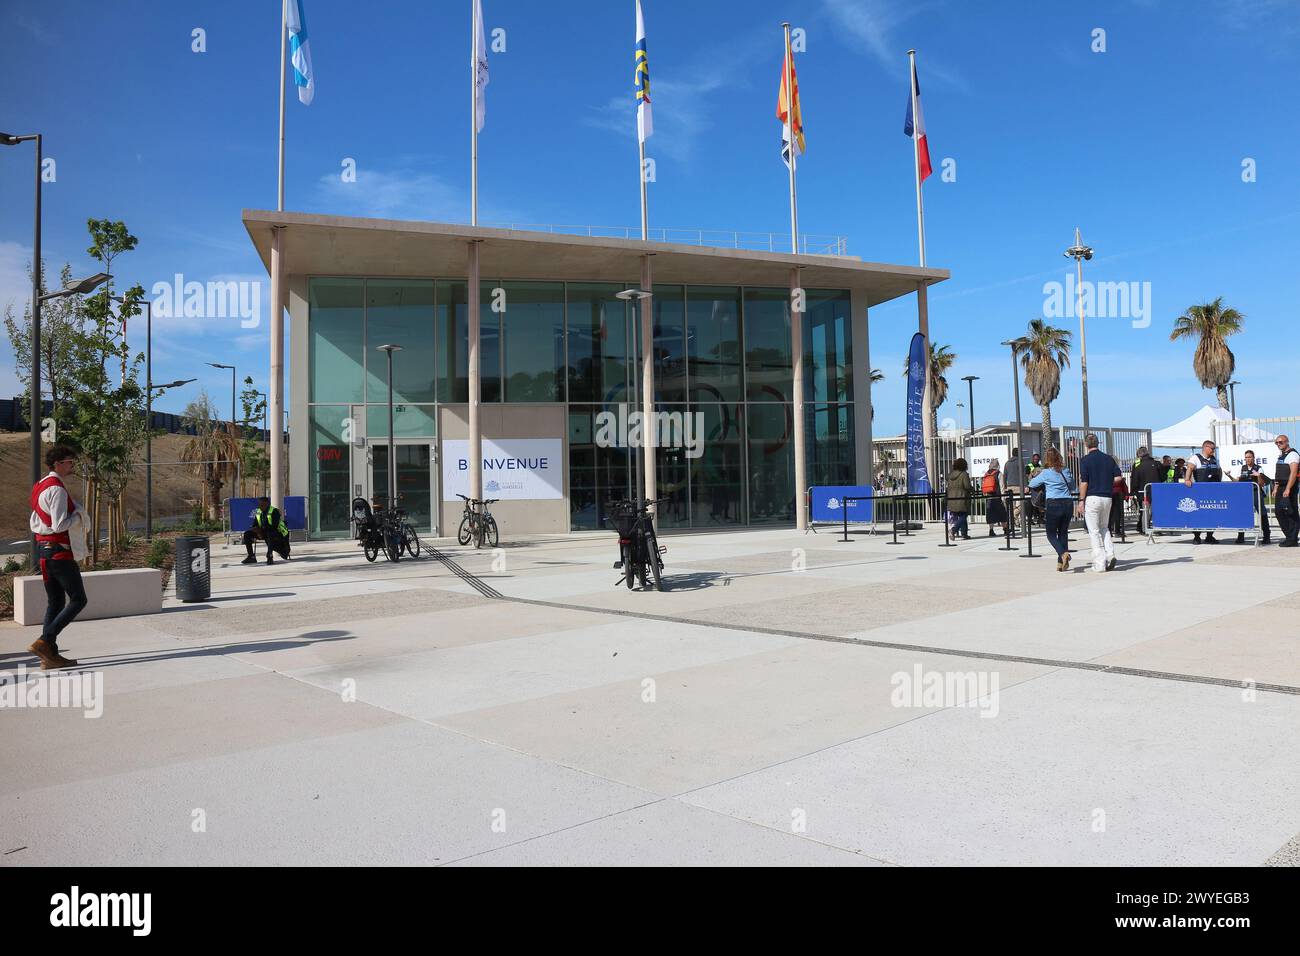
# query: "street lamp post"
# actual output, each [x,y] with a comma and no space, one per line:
[1020,425]
[232,389]
[148,452]
[392,460]
[970,381]
[637,295]
[1078,252]
[1232,401]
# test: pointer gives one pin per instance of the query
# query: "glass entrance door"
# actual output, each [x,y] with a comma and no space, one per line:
[414,480]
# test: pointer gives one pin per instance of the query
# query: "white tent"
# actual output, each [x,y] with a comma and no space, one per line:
[1203,424]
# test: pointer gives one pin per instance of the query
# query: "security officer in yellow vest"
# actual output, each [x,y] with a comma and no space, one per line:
[268,526]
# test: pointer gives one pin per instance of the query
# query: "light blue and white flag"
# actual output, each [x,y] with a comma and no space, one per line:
[300,49]
[480,68]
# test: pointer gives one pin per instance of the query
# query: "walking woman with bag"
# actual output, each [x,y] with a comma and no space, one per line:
[1056,478]
[959,490]
[995,507]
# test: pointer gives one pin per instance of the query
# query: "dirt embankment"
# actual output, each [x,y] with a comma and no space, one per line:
[176,489]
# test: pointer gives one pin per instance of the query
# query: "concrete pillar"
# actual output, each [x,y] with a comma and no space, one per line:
[859,329]
[800,440]
[647,377]
[475,377]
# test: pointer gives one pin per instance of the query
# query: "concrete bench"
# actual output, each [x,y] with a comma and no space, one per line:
[108,593]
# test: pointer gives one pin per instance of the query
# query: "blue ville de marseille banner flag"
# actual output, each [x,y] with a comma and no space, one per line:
[918,479]
[300,51]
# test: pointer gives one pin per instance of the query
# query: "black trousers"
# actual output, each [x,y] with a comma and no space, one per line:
[1058,523]
[65,595]
[277,543]
[1287,519]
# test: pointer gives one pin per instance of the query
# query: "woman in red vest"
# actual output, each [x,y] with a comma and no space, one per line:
[52,513]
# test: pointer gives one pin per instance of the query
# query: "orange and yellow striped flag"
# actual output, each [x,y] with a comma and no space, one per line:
[788,73]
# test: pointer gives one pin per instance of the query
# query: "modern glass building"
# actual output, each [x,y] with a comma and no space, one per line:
[560,359]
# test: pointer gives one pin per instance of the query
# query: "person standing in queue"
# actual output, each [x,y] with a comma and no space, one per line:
[1252,472]
[53,514]
[958,495]
[1145,472]
[1056,478]
[1097,473]
[268,526]
[1203,467]
[1284,491]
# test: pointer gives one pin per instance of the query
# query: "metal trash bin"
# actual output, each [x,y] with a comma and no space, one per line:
[193,568]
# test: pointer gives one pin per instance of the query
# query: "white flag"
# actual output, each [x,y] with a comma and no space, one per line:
[300,51]
[480,67]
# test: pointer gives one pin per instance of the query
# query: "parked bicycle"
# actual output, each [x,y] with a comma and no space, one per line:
[477,523]
[383,529]
[639,552]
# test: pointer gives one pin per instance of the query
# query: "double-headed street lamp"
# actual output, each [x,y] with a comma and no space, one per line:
[148,450]
[232,389]
[1078,252]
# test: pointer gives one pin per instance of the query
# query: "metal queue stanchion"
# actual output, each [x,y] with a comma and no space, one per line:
[946,542]
[1029,529]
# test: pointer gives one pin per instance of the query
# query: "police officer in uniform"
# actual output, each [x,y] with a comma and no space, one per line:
[1203,467]
[1285,476]
[268,526]
[1250,471]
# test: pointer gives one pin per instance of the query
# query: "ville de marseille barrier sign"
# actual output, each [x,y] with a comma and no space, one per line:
[828,504]
[1205,506]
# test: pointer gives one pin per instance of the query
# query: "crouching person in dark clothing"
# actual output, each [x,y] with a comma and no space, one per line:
[268,526]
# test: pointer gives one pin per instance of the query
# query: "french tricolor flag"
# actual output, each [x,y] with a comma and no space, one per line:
[914,126]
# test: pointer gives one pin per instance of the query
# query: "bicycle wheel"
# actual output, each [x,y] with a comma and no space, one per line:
[410,540]
[629,574]
[393,545]
[371,547]
[652,545]
[490,535]
[463,532]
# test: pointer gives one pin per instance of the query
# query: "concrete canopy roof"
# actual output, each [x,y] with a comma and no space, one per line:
[342,245]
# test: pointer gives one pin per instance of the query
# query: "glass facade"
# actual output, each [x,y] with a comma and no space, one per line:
[723,388]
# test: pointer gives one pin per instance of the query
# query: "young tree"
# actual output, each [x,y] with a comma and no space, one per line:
[62,322]
[213,451]
[255,464]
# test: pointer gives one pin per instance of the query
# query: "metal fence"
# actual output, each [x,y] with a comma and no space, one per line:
[1245,431]
[716,238]
[1123,443]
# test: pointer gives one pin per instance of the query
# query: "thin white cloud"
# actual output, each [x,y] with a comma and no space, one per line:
[874,25]
[15,286]
[392,194]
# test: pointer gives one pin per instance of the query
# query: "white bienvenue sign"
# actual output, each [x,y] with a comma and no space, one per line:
[514,469]
[979,456]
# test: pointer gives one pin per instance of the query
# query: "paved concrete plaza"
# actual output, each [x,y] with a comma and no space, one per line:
[773,707]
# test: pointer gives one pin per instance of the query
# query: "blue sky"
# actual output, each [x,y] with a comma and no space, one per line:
[1141,146]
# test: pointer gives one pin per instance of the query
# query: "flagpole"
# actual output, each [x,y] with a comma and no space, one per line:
[284,42]
[922,290]
[473,114]
[916,155]
[275,398]
[789,125]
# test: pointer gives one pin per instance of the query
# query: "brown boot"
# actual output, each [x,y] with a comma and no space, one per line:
[60,661]
[46,651]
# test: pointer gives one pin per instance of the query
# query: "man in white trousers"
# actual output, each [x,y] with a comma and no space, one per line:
[1097,471]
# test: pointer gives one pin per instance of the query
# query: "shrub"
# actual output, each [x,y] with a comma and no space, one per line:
[15,563]
[159,552]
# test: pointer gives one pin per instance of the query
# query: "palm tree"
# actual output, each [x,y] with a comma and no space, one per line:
[213,451]
[876,376]
[1213,362]
[1043,353]
[941,359]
